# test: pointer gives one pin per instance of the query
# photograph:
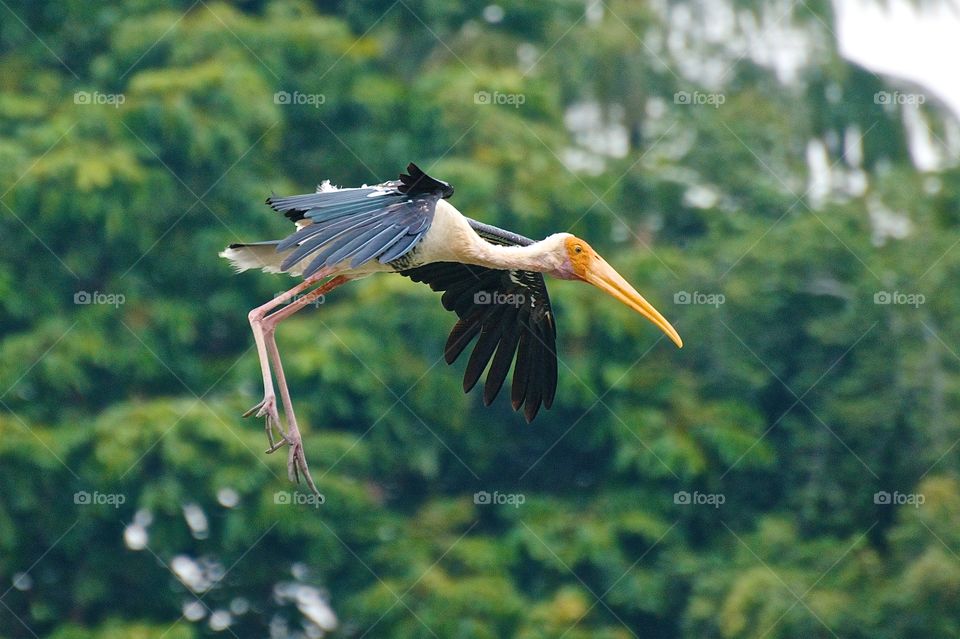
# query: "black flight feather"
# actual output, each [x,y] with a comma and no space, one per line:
[511,313]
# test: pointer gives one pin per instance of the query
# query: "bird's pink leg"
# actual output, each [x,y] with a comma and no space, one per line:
[297,461]
[268,406]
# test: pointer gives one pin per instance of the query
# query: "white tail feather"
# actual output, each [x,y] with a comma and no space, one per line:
[264,257]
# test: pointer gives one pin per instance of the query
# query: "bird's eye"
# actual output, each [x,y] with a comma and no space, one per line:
[578,249]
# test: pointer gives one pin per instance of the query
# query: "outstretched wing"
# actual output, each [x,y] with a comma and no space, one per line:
[510,311]
[383,222]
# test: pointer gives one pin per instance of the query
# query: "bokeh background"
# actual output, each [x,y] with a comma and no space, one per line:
[791,472]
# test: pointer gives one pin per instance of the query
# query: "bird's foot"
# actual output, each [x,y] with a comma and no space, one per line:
[267,408]
[297,461]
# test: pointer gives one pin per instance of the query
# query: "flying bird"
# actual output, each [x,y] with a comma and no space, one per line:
[491,278]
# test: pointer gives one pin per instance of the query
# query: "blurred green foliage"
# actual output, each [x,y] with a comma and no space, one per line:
[139,138]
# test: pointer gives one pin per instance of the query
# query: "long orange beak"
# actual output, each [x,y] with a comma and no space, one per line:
[604,277]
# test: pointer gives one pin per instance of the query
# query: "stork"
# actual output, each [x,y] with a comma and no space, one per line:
[491,278]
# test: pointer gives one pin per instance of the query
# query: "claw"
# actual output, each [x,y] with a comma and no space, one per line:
[255,408]
[275,447]
[293,472]
[297,465]
[267,408]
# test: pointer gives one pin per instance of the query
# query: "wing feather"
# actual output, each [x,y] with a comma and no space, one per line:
[462,334]
[501,361]
[383,222]
[490,333]
[521,331]
[521,372]
[380,244]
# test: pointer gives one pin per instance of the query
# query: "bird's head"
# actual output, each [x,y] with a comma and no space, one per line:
[584,264]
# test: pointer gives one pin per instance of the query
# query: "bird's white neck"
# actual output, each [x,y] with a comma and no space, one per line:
[451,238]
[545,256]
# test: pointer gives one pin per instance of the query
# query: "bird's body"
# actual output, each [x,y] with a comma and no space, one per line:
[491,278]
[452,237]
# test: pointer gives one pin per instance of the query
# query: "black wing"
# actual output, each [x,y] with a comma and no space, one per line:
[510,311]
[384,222]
